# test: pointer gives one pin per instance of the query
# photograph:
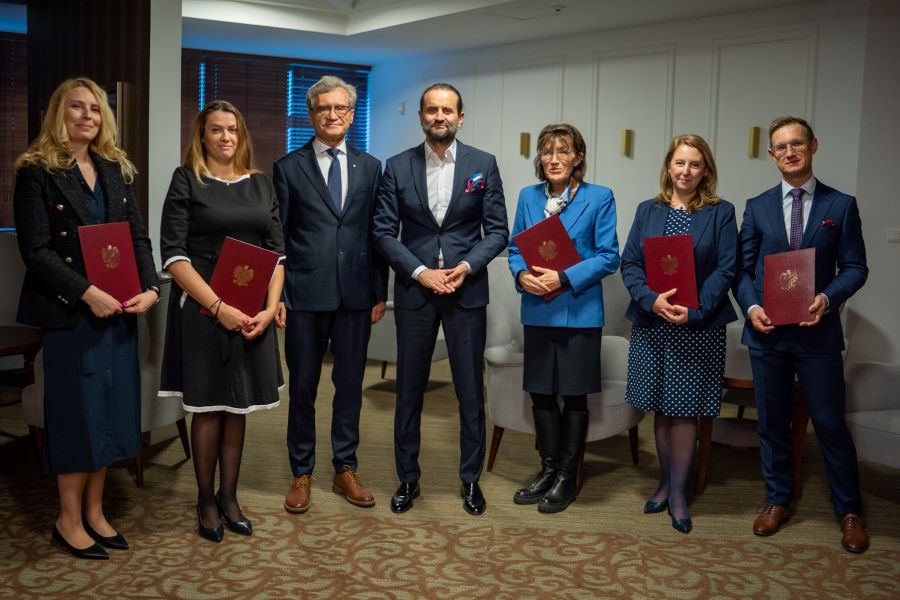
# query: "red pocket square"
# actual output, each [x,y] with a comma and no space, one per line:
[828,223]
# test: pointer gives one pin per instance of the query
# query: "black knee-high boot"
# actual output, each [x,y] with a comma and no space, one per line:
[546,428]
[564,489]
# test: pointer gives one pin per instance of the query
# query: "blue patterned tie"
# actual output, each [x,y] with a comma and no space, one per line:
[796,218]
[334,178]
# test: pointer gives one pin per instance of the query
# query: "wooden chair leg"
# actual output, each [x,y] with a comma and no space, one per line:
[37,436]
[705,437]
[799,423]
[495,445]
[633,440]
[383,369]
[139,466]
[183,434]
[740,412]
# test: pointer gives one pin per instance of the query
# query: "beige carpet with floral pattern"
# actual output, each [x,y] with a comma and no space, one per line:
[601,547]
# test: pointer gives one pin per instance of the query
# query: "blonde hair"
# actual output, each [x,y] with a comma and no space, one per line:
[195,153]
[50,148]
[706,189]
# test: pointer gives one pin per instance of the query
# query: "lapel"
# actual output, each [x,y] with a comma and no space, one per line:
[822,201]
[534,207]
[460,176]
[575,208]
[309,166]
[108,173]
[656,220]
[352,175]
[774,209]
[68,184]
[699,222]
[417,167]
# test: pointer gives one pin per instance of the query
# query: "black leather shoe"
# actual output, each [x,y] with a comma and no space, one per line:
[94,552]
[682,525]
[113,542]
[402,500]
[241,527]
[213,534]
[473,499]
[653,506]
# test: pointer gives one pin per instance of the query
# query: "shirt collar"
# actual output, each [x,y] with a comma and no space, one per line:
[321,147]
[809,187]
[432,156]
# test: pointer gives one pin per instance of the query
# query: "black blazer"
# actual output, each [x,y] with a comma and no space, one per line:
[330,261]
[49,208]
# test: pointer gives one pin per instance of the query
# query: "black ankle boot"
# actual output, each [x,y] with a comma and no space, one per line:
[546,428]
[564,489]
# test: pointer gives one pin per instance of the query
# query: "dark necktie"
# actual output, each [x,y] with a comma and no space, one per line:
[796,218]
[334,178]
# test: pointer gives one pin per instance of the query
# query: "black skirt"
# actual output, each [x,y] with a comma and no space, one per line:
[562,360]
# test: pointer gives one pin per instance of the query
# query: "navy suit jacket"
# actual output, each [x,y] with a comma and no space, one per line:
[715,260]
[330,260]
[403,210]
[834,230]
[590,220]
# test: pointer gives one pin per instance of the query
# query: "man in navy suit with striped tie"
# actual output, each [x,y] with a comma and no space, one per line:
[802,212]
[335,286]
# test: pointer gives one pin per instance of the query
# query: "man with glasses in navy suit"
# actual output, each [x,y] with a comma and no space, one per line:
[802,212]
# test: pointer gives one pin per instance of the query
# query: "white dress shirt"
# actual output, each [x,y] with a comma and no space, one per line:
[324,160]
[787,202]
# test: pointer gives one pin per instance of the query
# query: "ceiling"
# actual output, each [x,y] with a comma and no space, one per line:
[374,31]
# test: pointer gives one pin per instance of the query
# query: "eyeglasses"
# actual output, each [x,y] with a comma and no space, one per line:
[795,145]
[562,153]
[340,110]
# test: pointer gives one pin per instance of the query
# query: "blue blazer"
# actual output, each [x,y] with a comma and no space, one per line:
[834,230]
[590,220]
[402,209]
[330,260]
[715,260]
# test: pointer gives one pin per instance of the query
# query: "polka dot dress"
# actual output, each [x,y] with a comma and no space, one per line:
[674,369]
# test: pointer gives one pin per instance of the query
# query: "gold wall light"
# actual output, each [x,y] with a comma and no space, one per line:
[626,143]
[753,142]
[525,144]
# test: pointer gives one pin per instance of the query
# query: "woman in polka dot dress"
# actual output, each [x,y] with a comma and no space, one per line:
[677,356]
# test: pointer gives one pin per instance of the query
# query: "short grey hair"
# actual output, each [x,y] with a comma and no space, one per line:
[325,85]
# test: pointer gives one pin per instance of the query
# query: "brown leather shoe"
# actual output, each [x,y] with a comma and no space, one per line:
[347,484]
[297,500]
[854,537]
[770,519]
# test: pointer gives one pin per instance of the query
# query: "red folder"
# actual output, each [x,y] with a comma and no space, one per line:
[789,286]
[241,276]
[669,263]
[548,245]
[109,261]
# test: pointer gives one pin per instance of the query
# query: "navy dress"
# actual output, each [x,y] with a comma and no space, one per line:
[92,394]
[674,369]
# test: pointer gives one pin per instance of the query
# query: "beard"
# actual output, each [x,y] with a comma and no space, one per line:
[440,135]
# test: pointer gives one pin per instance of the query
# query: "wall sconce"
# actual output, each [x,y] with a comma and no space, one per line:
[524,143]
[626,143]
[753,142]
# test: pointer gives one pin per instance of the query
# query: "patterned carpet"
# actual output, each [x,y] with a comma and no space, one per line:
[601,547]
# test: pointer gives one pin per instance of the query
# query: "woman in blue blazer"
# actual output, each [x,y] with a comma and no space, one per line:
[677,357]
[563,335]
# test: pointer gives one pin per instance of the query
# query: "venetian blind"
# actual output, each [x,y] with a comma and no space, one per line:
[13,116]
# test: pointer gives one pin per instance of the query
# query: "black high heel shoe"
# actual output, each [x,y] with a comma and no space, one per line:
[213,534]
[241,527]
[682,525]
[94,552]
[113,542]
[652,506]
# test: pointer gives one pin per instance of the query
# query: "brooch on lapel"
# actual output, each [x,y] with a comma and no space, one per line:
[828,223]
[475,183]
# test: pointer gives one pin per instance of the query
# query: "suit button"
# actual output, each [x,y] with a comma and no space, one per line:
[63,234]
[69,260]
[124,200]
[341,252]
[59,207]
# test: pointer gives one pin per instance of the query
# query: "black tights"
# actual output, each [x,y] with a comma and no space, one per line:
[676,440]
[548,401]
[217,437]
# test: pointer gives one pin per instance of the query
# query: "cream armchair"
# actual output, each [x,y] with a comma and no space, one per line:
[873,411]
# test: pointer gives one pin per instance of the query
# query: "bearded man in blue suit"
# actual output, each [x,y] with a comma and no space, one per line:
[444,199]
[802,212]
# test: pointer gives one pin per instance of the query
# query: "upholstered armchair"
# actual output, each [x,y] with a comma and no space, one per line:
[873,411]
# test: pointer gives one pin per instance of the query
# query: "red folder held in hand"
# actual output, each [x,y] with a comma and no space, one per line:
[547,244]
[109,261]
[789,286]
[241,276]
[669,263]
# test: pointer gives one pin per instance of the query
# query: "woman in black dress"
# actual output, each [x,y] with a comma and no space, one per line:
[72,175]
[677,356]
[222,367]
